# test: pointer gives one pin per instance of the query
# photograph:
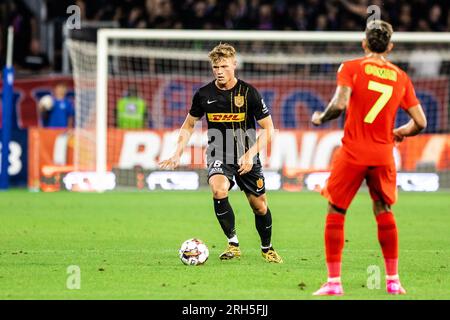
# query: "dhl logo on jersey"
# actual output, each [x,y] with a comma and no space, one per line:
[226,117]
[382,73]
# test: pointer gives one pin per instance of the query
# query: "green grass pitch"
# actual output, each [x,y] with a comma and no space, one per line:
[126,246]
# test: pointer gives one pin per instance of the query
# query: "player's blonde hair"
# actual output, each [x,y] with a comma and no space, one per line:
[222,51]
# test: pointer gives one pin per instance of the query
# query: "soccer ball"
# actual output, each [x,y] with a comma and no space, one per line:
[193,252]
[46,102]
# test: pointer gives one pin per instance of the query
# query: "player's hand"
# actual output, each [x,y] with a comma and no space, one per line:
[398,137]
[316,118]
[170,163]
[245,164]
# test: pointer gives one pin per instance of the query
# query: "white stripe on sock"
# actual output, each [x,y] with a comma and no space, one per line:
[234,239]
[335,279]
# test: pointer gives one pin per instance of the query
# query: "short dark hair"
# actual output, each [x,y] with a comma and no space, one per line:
[378,35]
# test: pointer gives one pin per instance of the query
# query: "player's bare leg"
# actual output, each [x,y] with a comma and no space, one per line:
[224,212]
[263,222]
[334,245]
[388,238]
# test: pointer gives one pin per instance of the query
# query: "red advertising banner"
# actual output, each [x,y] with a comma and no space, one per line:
[308,150]
[51,150]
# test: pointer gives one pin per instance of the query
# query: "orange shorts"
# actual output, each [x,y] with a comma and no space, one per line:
[347,177]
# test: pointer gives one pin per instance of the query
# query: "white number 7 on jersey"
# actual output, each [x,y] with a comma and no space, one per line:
[386,93]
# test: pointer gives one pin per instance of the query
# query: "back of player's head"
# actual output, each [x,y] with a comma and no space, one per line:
[222,51]
[378,35]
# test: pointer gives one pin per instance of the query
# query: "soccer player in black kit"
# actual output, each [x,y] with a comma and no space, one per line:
[232,108]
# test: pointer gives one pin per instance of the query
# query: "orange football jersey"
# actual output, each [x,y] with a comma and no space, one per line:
[378,89]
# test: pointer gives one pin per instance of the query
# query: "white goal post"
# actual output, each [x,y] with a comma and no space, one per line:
[109,44]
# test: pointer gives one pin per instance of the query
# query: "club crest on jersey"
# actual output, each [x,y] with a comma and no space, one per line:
[260,183]
[239,101]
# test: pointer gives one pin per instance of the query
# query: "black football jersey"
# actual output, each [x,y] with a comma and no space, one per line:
[231,116]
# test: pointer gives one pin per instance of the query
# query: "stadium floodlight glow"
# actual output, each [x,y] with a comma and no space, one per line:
[295,71]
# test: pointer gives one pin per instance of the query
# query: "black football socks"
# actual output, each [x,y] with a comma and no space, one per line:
[225,215]
[264,226]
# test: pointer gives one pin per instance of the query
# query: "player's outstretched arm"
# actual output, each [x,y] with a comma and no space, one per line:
[417,123]
[336,106]
[263,139]
[183,138]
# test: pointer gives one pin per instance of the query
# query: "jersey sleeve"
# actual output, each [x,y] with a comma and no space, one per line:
[260,110]
[196,107]
[409,99]
[344,75]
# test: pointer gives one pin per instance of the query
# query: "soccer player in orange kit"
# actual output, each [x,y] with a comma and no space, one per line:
[371,89]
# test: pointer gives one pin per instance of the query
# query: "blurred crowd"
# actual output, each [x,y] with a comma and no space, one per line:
[404,15]
[310,15]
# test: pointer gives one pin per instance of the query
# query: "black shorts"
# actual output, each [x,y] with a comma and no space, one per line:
[251,182]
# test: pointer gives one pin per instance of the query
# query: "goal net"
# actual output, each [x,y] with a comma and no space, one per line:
[134,89]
